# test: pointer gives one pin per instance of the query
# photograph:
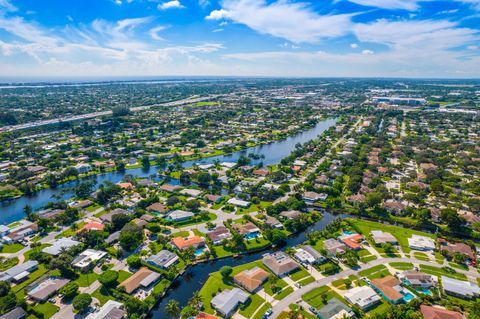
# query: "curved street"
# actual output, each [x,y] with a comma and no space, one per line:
[297,294]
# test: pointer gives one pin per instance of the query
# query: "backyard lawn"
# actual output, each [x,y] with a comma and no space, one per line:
[248,309]
[47,309]
[11,248]
[402,234]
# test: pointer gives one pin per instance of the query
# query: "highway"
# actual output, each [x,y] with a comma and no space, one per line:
[192,99]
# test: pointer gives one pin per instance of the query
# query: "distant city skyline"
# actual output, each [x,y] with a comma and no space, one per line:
[323,38]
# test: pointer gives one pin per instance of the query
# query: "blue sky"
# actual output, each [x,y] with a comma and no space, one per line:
[392,38]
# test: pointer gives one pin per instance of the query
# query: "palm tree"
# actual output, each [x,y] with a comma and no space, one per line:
[172,309]
[196,300]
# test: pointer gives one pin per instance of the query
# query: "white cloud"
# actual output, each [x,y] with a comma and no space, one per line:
[173,4]
[296,22]
[409,5]
[218,30]
[429,35]
[354,45]
[367,52]
[154,32]
[218,15]
[7,5]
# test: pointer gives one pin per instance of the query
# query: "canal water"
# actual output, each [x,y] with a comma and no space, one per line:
[12,210]
[195,277]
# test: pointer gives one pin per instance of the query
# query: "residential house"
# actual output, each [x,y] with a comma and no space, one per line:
[141,279]
[362,296]
[456,248]
[334,247]
[312,197]
[247,229]
[179,215]
[228,300]
[110,310]
[238,202]
[19,272]
[60,245]
[381,237]
[107,217]
[251,279]
[213,198]
[273,222]
[170,188]
[429,312]
[163,259]
[389,287]
[394,207]
[423,243]
[417,279]
[219,234]
[335,309]
[46,288]
[88,259]
[352,241]
[460,288]
[280,263]
[183,243]
[158,209]
[94,226]
[15,313]
[309,255]
[291,214]
[191,192]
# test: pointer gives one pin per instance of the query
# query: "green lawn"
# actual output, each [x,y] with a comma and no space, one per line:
[437,271]
[93,207]
[262,311]
[123,275]
[299,274]
[212,286]
[182,233]
[402,234]
[19,289]
[11,248]
[71,232]
[47,309]
[248,309]
[102,295]
[282,294]
[29,252]
[8,263]
[402,266]
[314,297]
[86,279]
[420,256]
[189,222]
[306,281]
[257,243]
[371,271]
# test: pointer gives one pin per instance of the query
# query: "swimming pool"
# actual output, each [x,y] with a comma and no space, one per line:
[407,296]
[251,236]
[424,291]
[199,251]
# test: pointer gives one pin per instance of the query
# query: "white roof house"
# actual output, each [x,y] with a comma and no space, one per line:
[380,237]
[110,310]
[59,245]
[190,192]
[238,202]
[364,297]
[227,301]
[421,243]
[87,258]
[460,288]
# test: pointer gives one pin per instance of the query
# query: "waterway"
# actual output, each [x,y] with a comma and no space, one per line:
[195,277]
[12,210]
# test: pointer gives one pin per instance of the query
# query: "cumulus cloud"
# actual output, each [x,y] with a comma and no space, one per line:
[296,22]
[354,45]
[367,52]
[218,15]
[173,4]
